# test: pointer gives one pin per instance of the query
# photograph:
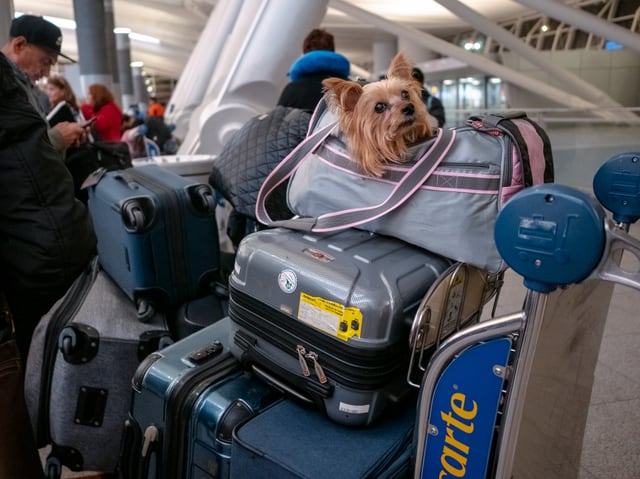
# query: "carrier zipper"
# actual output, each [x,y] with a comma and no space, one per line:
[476,166]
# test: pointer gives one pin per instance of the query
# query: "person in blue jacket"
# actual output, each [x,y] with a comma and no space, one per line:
[319,61]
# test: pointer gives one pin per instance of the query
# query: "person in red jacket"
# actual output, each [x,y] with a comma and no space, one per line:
[101,105]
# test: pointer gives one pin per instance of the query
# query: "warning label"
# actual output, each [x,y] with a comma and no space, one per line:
[330,317]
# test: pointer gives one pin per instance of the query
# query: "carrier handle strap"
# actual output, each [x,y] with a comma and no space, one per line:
[412,180]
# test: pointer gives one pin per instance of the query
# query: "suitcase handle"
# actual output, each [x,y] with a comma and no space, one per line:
[279,385]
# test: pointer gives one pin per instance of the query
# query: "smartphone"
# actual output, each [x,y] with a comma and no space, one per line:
[89,122]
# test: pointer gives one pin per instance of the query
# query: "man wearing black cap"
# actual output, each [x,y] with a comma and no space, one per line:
[46,235]
[33,47]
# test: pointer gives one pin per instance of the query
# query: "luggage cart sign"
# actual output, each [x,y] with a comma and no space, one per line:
[463,412]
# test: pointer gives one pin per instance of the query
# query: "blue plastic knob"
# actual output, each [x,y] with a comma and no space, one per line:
[616,184]
[552,235]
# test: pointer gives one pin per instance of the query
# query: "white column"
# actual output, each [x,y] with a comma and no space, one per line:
[383,53]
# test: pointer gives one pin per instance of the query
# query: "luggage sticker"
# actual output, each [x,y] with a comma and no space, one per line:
[330,317]
[288,281]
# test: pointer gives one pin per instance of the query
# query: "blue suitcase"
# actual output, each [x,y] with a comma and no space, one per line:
[187,400]
[157,234]
[287,441]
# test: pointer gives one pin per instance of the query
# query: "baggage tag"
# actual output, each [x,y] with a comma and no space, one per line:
[94,178]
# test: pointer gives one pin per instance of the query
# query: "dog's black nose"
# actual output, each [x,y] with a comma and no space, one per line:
[409,109]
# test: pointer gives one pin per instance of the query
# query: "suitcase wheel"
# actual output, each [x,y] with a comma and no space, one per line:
[203,199]
[145,310]
[133,217]
[53,468]
[78,343]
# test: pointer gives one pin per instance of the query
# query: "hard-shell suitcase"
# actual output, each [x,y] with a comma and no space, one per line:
[327,316]
[83,355]
[288,441]
[157,234]
[187,399]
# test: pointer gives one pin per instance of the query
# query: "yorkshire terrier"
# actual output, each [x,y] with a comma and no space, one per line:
[380,120]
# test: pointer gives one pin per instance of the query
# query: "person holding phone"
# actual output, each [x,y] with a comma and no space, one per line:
[32,50]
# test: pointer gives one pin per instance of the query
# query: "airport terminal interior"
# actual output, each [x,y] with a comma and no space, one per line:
[572,65]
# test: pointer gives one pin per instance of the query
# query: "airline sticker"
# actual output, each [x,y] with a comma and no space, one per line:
[288,281]
[318,255]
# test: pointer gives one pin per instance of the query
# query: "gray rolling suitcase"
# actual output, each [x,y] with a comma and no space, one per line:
[83,355]
[327,317]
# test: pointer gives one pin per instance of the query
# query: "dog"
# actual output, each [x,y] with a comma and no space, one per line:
[380,120]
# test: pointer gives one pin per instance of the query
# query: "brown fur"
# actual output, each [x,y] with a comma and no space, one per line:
[382,119]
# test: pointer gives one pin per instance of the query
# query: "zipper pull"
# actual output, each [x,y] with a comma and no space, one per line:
[303,362]
[151,434]
[319,371]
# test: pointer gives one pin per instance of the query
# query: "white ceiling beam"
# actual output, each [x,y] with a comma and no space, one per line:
[571,81]
[586,21]
[480,62]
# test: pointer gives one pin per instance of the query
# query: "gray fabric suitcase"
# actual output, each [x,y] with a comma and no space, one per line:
[326,317]
[83,355]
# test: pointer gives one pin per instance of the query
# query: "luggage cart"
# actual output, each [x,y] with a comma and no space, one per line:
[474,394]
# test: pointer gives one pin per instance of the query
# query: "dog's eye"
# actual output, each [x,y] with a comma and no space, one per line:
[404,94]
[380,107]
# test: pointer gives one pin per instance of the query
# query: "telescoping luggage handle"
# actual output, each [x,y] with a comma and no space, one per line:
[553,236]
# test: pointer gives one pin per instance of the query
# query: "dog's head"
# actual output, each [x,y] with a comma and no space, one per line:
[381,119]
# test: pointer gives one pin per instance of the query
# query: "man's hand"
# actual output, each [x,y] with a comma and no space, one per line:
[72,133]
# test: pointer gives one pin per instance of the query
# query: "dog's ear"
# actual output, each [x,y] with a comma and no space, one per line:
[343,93]
[401,67]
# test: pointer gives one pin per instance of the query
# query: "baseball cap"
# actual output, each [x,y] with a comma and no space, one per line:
[40,32]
